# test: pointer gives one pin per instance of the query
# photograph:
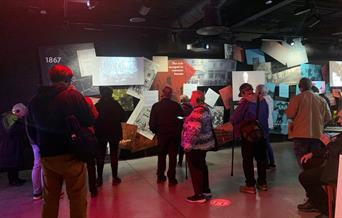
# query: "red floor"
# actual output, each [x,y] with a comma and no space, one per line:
[140,196]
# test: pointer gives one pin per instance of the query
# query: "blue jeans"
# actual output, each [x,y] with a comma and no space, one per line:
[305,145]
[270,155]
[37,179]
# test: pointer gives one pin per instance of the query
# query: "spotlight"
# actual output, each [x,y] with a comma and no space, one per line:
[268,2]
[91,4]
[290,42]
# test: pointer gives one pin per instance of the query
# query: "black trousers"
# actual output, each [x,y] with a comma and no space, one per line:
[91,175]
[12,174]
[114,150]
[168,145]
[180,153]
[198,170]
[250,151]
[310,180]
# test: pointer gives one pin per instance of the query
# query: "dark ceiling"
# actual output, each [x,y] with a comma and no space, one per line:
[246,20]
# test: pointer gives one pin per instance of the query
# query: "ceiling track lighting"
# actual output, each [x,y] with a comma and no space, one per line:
[268,2]
[316,21]
[145,7]
[290,41]
[303,10]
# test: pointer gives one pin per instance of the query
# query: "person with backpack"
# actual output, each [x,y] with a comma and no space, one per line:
[251,108]
[48,128]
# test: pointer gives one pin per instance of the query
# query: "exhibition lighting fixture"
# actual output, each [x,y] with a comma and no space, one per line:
[212,23]
[91,4]
[315,22]
[303,10]
[144,10]
[290,42]
[268,2]
[336,34]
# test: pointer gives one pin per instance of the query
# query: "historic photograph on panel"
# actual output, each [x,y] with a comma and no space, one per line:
[311,71]
[335,73]
[290,76]
[267,67]
[211,72]
[141,117]
[279,118]
[150,71]
[125,100]
[217,113]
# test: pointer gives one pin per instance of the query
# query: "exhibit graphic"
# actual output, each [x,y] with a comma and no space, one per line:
[211,72]
[179,73]
[320,85]
[279,118]
[67,55]
[267,67]
[150,71]
[140,117]
[255,56]
[290,76]
[125,100]
[217,113]
[119,71]
[311,71]
[335,73]
[252,77]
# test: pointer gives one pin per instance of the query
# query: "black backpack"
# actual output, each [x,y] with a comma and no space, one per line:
[82,139]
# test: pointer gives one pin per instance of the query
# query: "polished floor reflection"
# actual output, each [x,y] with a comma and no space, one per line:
[140,196]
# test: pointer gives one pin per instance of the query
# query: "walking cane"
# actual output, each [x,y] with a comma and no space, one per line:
[186,169]
[232,165]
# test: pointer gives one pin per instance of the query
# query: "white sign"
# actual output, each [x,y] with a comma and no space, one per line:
[87,62]
[211,97]
[150,97]
[188,88]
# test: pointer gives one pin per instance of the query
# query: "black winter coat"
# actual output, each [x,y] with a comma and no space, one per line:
[108,123]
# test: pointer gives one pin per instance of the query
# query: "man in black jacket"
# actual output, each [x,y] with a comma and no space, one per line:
[165,122]
[108,129]
[47,127]
[313,179]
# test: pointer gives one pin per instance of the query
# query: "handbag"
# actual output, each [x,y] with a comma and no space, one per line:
[82,139]
[251,130]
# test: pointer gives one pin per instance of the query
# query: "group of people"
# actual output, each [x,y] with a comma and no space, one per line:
[43,124]
[180,128]
[188,125]
[317,152]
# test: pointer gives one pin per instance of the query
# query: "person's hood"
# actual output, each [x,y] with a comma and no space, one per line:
[50,91]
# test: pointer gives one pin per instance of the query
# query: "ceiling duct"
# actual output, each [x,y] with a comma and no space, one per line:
[196,13]
[212,23]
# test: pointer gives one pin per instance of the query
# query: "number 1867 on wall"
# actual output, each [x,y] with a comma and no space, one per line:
[53,60]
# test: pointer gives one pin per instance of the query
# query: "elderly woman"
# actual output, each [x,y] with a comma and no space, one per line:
[197,139]
[262,91]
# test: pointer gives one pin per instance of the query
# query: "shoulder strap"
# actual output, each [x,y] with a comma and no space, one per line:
[257,108]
